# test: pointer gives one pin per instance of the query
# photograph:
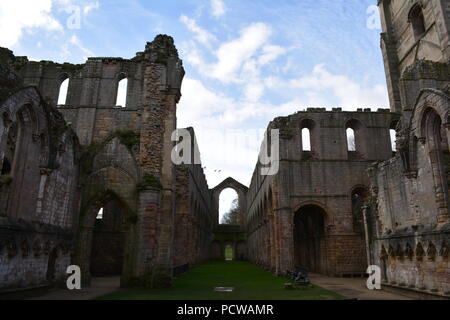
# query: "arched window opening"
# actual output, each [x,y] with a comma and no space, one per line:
[359,200]
[229,207]
[306,139]
[6,168]
[417,20]
[307,127]
[351,143]
[437,143]
[393,135]
[122,88]
[309,238]
[229,253]
[63,90]
[108,239]
[100,214]
[10,150]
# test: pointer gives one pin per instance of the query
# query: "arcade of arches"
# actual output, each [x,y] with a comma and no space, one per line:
[340,199]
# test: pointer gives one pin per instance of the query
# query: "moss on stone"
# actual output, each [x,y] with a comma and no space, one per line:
[128,138]
[149,181]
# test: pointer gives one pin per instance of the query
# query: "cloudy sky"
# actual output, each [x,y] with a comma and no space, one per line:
[246,61]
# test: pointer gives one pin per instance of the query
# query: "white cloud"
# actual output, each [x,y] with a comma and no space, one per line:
[218,8]
[202,35]
[20,15]
[77,42]
[234,54]
[68,46]
[320,84]
[225,125]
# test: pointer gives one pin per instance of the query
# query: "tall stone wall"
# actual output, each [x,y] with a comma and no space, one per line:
[38,191]
[119,154]
[410,210]
[194,215]
[402,44]
[322,179]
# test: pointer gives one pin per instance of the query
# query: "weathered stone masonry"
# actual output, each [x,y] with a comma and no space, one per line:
[409,213]
[73,160]
[39,177]
[333,209]
[305,214]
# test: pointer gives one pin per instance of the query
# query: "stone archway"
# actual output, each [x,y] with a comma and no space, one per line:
[241,191]
[309,238]
[108,240]
[103,243]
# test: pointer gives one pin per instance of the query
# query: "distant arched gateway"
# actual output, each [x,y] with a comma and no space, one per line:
[240,189]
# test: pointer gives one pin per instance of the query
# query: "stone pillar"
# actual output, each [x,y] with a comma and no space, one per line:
[147,239]
[285,240]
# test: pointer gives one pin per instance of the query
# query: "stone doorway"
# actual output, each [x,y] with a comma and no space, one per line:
[309,239]
[108,241]
[104,239]
[229,253]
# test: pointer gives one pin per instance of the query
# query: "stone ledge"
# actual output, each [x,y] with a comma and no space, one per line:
[414,293]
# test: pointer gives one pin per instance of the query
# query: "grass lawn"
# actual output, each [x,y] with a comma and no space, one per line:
[249,281]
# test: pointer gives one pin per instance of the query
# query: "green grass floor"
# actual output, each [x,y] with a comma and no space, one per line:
[250,283]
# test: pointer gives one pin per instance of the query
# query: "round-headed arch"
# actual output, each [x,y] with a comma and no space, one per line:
[241,191]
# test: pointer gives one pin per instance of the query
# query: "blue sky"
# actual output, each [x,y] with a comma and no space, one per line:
[246,61]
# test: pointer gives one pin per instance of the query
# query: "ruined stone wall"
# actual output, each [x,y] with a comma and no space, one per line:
[194,219]
[402,44]
[124,154]
[325,178]
[410,212]
[39,191]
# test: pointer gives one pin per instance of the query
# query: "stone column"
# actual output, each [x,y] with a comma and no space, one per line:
[147,234]
[285,240]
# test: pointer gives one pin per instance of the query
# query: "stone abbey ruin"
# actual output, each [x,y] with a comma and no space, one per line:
[331,208]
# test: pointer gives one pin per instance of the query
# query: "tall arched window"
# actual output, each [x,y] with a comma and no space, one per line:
[351,143]
[122,93]
[393,135]
[307,126]
[417,20]
[100,214]
[306,139]
[63,89]
[9,152]
[437,143]
[229,207]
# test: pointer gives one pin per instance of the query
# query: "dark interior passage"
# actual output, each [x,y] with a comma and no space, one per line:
[108,240]
[309,239]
